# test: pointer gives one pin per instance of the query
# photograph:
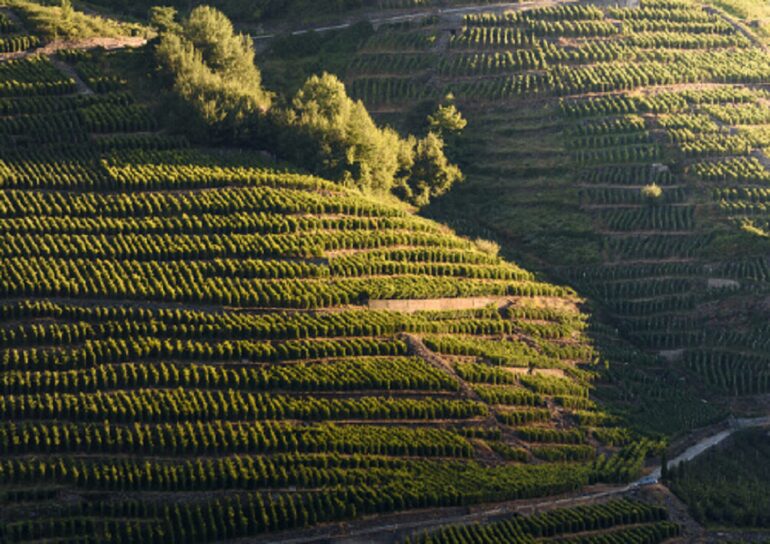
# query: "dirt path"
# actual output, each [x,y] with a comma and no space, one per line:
[69,71]
[565,303]
[438,304]
[393,527]
[84,44]
[712,440]
[418,348]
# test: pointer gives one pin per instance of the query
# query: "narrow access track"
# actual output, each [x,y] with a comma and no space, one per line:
[386,528]
[82,44]
[454,13]
[707,443]
[69,71]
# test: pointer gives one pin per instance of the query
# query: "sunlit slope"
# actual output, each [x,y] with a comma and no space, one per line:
[194,347]
[621,149]
[754,13]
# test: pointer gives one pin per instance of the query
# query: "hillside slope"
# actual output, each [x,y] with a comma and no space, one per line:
[622,150]
[196,347]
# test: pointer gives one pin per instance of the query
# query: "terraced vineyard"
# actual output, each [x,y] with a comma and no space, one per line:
[12,38]
[195,347]
[616,521]
[199,344]
[626,149]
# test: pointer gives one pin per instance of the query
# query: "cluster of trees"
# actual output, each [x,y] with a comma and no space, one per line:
[212,66]
[321,128]
[727,486]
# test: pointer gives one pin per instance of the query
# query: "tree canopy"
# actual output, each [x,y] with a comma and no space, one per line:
[430,173]
[340,139]
[321,128]
[212,66]
[59,20]
[447,119]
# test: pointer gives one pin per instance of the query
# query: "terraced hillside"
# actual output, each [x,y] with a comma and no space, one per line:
[615,521]
[623,150]
[196,347]
[12,37]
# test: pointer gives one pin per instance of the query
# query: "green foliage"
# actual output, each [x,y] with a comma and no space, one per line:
[329,133]
[290,59]
[163,19]
[727,486]
[321,129]
[748,226]
[447,119]
[336,137]
[430,174]
[60,20]
[212,68]
[214,336]
[652,192]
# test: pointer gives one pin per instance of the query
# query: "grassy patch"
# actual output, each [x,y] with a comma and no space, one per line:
[62,21]
[755,13]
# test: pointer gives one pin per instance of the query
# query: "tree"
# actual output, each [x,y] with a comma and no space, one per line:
[431,174]
[652,192]
[67,18]
[223,50]
[447,119]
[211,68]
[163,19]
[448,123]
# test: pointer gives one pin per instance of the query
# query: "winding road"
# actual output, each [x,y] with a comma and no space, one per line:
[384,528]
[417,15]
[707,443]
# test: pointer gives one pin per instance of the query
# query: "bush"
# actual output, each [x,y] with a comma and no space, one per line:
[652,191]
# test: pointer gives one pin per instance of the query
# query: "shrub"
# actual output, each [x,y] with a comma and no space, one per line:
[652,191]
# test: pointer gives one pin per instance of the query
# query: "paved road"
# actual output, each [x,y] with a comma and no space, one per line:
[413,16]
[707,443]
[391,524]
